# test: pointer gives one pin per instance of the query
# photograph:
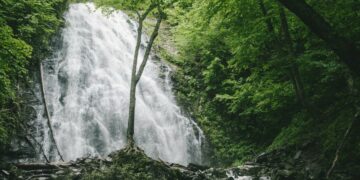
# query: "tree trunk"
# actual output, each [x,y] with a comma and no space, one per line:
[136,76]
[344,48]
[131,120]
[293,69]
[268,21]
[47,112]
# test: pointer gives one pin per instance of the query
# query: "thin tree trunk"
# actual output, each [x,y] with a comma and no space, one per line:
[131,119]
[47,111]
[294,69]
[130,130]
[344,48]
[268,21]
[148,48]
[342,143]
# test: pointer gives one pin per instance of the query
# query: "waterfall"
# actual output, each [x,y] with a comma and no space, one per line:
[87,83]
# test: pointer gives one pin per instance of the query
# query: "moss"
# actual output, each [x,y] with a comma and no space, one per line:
[27,29]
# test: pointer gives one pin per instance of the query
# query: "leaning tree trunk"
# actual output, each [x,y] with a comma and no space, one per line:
[344,48]
[47,111]
[135,76]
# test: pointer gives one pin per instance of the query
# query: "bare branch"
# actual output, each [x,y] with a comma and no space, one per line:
[148,10]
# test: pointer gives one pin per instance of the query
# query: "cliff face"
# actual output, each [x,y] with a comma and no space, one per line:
[27,29]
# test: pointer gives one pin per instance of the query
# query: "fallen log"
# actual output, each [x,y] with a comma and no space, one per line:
[47,111]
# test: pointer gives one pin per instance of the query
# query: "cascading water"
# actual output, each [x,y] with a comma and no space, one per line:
[87,84]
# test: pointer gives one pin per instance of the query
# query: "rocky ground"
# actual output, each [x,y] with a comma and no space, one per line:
[124,165]
[291,163]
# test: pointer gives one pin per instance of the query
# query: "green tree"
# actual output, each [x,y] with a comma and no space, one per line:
[257,78]
[344,48]
[26,28]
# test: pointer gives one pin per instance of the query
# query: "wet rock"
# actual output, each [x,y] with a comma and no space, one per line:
[265,178]
[314,171]
[60,172]
[297,155]
[285,173]
[87,161]
[6,173]
[108,159]
[216,173]
[53,176]
[76,170]
[195,167]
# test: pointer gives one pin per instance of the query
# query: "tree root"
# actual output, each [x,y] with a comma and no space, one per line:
[133,149]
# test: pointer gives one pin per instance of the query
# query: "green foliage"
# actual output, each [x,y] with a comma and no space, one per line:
[131,5]
[26,27]
[294,133]
[235,76]
[14,54]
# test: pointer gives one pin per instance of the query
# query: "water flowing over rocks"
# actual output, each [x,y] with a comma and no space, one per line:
[87,83]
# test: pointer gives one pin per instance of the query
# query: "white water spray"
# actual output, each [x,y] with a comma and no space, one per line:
[87,86]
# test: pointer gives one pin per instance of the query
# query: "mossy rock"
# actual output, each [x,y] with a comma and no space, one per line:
[134,165]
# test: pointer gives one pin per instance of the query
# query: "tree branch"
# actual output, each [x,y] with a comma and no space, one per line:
[148,10]
[268,21]
[148,48]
